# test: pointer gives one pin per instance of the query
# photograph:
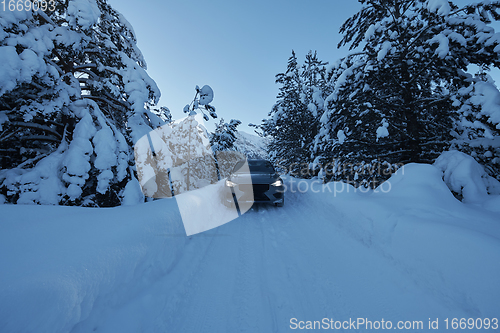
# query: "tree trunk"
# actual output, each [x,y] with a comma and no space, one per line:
[412,120]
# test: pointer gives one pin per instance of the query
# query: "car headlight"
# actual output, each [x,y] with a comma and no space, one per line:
[279,182]
[230,183]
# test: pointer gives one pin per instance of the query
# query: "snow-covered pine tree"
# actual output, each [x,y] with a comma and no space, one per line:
[292,125]
[395,97]
[225,152]
[224,136]
[314,92]
[73,101]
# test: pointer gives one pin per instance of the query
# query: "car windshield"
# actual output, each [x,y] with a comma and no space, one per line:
[256,166]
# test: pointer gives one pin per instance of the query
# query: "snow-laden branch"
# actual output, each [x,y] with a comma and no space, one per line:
[9,135]
[40,137]
[33,160]
[120,105]
[46,17]
[56,66]
[36,126]
[85,66]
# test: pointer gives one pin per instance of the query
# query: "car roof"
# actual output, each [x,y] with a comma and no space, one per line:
[258,161]
[255,163]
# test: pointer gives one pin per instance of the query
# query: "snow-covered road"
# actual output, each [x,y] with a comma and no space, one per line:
[408,255]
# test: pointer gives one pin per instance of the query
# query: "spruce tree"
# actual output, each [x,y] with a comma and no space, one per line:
[293,120]
[225,152]
[224,136]
[314,92]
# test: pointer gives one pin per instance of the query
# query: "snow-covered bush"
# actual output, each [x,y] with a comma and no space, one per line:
[465,177]
[74,98]
[477,130]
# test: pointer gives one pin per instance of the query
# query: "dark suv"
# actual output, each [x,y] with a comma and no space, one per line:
[255,181]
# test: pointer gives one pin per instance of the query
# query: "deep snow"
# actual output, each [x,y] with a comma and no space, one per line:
[412,253]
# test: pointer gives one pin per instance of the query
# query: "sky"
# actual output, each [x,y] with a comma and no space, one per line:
[236,47]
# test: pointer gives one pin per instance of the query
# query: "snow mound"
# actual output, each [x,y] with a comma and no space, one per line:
[466,177]
[420,183]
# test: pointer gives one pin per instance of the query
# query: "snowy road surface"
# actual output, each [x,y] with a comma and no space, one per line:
[408,255]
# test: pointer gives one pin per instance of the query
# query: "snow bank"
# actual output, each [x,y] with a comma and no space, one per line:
[447,248]
[420,183]
[60,263]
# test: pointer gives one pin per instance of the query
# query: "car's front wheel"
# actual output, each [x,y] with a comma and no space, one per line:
[280,204]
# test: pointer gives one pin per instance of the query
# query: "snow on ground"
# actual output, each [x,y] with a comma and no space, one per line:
[408,252]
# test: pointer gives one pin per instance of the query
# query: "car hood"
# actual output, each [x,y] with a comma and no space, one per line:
[257,178]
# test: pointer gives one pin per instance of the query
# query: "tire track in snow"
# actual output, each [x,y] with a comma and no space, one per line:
[180,292]
[306,260]
[211,308]
[242,291]
[251,294]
